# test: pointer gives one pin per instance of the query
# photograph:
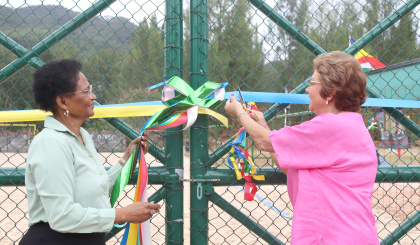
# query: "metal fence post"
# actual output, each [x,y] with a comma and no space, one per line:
[174,136]
[199,131]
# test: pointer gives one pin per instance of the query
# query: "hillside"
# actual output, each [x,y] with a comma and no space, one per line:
[28,25]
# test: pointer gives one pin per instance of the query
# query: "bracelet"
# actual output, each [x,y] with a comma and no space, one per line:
[123,161]
[243,113]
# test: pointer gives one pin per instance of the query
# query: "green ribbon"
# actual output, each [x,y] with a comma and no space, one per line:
[124,176]
[187,98]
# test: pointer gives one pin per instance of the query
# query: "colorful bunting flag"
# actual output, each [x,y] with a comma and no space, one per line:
[367,61]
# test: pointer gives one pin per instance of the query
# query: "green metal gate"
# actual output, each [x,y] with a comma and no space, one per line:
[262,46]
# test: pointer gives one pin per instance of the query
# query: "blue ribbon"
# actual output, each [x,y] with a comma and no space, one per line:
[280,98]
[268,204]
[265,97]
[239,141]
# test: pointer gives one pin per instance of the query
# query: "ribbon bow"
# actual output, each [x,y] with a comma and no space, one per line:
[187,104]
[181,109]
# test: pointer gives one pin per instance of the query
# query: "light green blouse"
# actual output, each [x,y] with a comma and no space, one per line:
[67,185]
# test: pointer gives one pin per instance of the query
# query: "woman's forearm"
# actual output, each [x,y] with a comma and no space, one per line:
[259,134]
[253,122]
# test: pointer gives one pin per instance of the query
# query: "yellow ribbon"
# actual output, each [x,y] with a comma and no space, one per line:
[123,110]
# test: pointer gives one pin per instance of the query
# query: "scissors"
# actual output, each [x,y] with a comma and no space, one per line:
[246,107]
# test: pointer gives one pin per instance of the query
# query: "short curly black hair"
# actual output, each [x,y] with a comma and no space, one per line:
[54,79]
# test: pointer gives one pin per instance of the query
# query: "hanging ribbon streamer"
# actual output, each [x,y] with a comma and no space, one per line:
[239,158]
[138,234]
[239,153]
[181,109]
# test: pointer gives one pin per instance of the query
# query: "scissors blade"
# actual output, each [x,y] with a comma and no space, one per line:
[241,98]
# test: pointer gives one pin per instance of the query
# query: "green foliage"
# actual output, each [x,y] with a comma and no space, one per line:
[98,44]
[29,25]
[122,60]
[145,62]
[398,43]
[402,45]
[235,54]
[15,91]
[103,71]
[297,62]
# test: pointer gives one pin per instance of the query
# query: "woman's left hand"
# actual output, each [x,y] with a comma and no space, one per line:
[133,145]
[233,107]
[144,143]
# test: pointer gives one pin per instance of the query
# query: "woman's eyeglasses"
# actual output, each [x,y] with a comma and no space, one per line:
[87,91]
[312,83]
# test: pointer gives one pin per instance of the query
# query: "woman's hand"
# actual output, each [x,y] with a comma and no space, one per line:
[136,213]
[233,107]
[144,143]
[133,145]
[257,128]
[258,116]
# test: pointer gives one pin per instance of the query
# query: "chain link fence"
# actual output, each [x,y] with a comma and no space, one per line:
[262,46]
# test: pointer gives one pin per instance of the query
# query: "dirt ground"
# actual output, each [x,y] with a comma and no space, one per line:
[391,203]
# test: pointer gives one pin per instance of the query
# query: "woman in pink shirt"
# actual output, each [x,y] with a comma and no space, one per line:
[330,161]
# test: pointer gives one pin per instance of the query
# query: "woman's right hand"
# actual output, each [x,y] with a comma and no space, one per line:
[137,212]
[233,107]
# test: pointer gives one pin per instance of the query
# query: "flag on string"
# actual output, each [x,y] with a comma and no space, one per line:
[367,61]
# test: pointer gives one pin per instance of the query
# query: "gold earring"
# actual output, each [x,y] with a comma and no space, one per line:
[66,113]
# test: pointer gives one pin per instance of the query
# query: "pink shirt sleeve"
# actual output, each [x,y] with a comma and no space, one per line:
[317,143]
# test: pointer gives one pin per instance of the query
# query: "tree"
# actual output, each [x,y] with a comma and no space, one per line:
[336,21]
[398,43]
[235,55]
[145,62]
[297,58]
[103,71]
[403,45]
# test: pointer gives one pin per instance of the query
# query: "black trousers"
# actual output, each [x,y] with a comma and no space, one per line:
[41,233]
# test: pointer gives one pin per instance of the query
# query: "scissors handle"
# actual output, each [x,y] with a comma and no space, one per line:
[249,108]
[244,105]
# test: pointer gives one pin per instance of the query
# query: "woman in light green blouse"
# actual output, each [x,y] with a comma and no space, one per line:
[67,185]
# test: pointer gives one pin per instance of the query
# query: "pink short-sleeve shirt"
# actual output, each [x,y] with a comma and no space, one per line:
[332,163]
